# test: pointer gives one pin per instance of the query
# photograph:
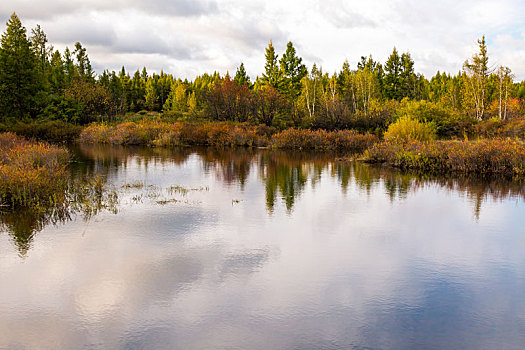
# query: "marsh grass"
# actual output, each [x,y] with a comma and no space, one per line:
[31,173]
[495,156]
[223,134]
[340,140]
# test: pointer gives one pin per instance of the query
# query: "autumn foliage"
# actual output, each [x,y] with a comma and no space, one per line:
[224,134]
[30,172]
[497,156]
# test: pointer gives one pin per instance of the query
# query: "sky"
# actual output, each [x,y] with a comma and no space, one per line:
[191,37]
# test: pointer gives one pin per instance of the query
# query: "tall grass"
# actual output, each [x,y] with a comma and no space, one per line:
[224,134]
[495,156]
[31,173]
[340,140]
[155,133]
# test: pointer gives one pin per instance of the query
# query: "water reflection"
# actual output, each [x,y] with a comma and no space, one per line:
[84,197]
[284,175]
[317,253]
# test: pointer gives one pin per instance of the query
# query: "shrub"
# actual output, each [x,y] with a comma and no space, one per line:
[155,133]
[497,156]
[51,131]
[500,128]
[448,122]
[30,172]
[341,140]
[407,129]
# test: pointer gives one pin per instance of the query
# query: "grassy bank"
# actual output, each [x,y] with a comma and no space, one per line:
[223,134]
[55,131]
[31,173]
[494,156]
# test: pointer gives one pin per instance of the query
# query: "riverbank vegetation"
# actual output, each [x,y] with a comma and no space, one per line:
[497,156]
[31,173]
[224,134]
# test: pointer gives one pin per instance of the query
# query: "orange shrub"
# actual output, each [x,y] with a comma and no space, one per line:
[497,156]
[154,133]
[30,172]
[341,140]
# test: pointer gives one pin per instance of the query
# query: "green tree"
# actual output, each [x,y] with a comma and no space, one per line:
[57,76]
[392,79]
[272,76]
[177,99]
[83,65]
[39,44]
[293,70]
[241,77]
[408,78]
[19,81]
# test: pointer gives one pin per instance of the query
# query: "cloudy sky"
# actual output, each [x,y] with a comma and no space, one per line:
[189,37]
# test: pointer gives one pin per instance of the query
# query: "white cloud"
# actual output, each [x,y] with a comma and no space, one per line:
[191,37]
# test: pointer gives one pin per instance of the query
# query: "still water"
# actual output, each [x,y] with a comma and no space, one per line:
[244,249]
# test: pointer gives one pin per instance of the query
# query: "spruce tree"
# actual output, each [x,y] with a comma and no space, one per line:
[241,77]
[294,71]
[19,78]
[392,77]
[272,74]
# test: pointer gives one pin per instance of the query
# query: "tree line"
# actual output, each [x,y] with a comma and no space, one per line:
[38,82]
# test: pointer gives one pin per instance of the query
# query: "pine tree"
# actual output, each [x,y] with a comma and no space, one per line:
[408,78]
[57,76]
[69,66]
[241,77]
[83,64]
[293,70]
[272,74]
[392,78]
[19,79]
[39,45]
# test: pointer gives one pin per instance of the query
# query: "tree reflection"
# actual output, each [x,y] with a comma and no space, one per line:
[284,175]
[84,197]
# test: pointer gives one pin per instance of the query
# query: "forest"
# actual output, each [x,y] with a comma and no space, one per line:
[39,84]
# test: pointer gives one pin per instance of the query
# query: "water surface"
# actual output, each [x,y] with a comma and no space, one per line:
[267,250]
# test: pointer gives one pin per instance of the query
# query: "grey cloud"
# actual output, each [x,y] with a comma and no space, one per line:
[336,13]
[177,7]
[31,9]
[86,33]
[27,9]
[146,42]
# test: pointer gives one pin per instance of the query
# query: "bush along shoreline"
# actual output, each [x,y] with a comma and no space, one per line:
[504,157]
[225,134]
[31,173]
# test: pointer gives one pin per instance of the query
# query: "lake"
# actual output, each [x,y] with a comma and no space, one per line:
[258,249]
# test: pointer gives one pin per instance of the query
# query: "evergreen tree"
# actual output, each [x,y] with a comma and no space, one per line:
[69,66]
[57,76]
[408,79]
[241,77]
[272,75]
[19,79]
[392,78]
[294,71]
[83,65]
[39,42]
